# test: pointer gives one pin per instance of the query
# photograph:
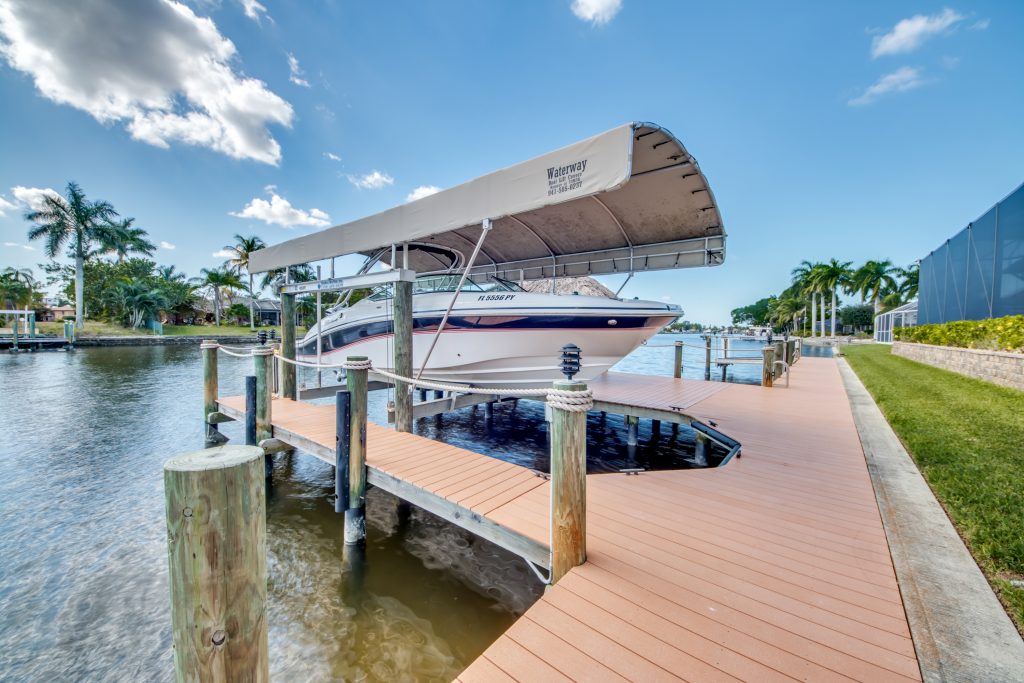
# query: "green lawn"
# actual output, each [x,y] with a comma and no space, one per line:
[967,437]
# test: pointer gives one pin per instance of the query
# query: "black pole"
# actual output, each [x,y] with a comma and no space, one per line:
[343,432]
[250,410]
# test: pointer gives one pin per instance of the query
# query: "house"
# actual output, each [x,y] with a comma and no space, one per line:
[56,313]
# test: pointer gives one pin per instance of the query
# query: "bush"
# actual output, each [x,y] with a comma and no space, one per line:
[997,334]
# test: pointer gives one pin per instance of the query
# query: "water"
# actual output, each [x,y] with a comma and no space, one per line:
[83,568]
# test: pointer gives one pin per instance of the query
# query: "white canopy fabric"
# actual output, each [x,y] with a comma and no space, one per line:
[628,200]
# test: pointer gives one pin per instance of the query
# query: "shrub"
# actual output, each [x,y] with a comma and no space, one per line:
[998,334]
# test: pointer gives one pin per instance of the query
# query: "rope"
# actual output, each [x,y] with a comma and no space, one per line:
[236,355]
[571,401]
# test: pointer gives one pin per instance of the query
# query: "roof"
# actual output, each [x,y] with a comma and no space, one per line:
[628,200]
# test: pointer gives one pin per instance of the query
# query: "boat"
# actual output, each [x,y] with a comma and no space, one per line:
[496,335]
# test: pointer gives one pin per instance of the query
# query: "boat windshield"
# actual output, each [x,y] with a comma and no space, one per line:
[433,284]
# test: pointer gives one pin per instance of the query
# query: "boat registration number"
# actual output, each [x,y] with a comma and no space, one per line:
[495,297]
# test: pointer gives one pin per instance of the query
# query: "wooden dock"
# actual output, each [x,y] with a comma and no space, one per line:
[773,567]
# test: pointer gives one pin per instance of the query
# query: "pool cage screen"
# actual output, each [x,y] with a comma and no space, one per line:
[979,272]
[887,323]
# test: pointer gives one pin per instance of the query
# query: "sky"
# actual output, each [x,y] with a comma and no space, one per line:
[848,130]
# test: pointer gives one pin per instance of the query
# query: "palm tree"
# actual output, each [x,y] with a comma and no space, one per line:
[218,279]
[786,310]
[169,274]
[910,276]
[805,279]
[76,221]
[241,249]
[874,280]
[140,301]
[831,276]
[14,292]
[122,239]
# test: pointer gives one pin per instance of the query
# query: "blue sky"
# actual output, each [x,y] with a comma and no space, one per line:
[848,130]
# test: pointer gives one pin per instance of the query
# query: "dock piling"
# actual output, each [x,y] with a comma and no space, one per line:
[768,367]
[355,514]
[209,350]
[568,485]
[403,355]
[343,435]
[707,357]
[677,366]
[263,360]
[14,339]
[215,503]
[288,346]
[632,427]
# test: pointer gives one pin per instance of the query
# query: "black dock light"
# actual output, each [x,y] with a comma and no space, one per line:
[570,360]
[261,337]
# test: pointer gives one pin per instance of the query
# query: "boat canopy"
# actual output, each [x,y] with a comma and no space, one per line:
[629,200]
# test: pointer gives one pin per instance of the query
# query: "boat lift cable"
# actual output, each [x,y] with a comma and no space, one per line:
[486,227]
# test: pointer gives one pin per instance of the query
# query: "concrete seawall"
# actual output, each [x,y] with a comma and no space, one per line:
[160,340]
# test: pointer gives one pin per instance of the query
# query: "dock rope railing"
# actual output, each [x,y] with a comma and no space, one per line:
[571,401]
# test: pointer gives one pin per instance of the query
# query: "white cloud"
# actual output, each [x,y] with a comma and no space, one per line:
[332,157]
[374,180]
[11,244]
[279,211]
[596,11]
[295,72]
[421,192]
[27,247]
[167,245]
[909,34]
[980,25]
[164,73]
[901,80]
[223,253]
[254,10]
[6,206]
[32,197]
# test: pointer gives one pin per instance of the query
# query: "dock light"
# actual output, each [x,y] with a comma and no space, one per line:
[261,337]
[571,355]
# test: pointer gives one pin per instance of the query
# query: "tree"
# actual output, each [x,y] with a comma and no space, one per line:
[169,274]
[140,301]
[122,239]
[755,314]
[15,292]
[874,280]
[806,278]
[785,310]
[910,278]
[75,221]
[861,316]
[241,250]
[831,276]
[218,280]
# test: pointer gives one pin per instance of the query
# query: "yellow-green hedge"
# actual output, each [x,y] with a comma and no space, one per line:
[999,334]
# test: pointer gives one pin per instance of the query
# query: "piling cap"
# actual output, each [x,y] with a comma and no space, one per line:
[221,457]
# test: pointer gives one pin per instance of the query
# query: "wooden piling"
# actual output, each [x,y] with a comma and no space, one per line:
[568,486]
[707,357]
[209,350]
[780,352]
[700,451]
[677,366]
[768,366]
[403,355]
[355,515]
[217,555]
[343,434]
[632,427]
[288,346]
[250,410]
[14,338]
[263,360]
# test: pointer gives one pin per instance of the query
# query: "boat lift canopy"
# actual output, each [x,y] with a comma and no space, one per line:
[629,200]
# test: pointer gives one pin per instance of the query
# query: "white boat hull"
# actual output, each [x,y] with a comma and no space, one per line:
[500,344]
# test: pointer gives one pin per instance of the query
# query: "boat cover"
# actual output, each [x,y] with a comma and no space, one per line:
[631,199]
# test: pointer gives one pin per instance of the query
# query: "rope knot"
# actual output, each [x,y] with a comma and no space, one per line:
[357,364]
[571,401]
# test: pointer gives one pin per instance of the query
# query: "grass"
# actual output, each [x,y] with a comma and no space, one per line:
[967,438]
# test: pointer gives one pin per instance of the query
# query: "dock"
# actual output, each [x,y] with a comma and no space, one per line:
[772,567]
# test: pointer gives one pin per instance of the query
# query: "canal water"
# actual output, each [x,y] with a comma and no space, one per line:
[83,567]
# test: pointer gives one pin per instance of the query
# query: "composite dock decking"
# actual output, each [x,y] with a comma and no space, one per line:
[774,567]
